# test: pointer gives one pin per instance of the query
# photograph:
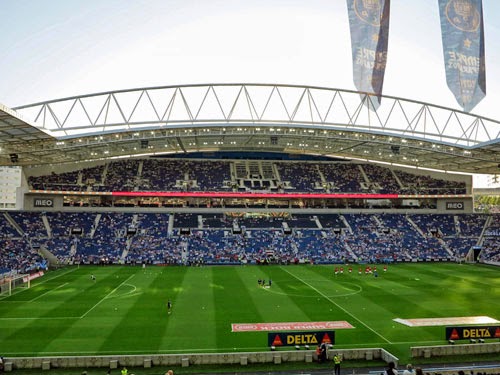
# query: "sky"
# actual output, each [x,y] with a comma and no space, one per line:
[58,48]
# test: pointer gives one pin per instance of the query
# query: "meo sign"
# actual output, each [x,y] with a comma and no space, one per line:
[44,202]
[454,205]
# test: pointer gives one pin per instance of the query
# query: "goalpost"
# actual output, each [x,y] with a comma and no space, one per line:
[10,283]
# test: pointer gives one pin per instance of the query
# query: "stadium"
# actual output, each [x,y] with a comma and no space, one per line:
[238,226]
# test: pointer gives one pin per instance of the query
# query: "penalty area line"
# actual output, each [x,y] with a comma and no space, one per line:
[105,297]
[48,291]
[336,304]
[20,290]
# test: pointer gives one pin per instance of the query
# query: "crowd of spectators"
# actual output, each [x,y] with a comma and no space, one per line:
[209,175]
[17,255]
[471,225]
[302,177]
[342,177]
[321,247]
[151,243]
[56,181]
[438,225]
[161,174]
[30,223]
[184,175]
[382,180]
[6,228]
[92,175]
[459,233]
[121,175]
[109,241]
[420,184]
[490,249]
[371,242]
[201,238]
[68,223]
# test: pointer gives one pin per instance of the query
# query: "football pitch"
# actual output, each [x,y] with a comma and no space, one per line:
[124,311]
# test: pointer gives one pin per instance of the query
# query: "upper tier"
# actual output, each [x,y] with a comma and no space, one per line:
[247,176]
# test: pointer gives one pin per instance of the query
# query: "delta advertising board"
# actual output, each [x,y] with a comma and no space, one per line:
[300,338]
[472,332]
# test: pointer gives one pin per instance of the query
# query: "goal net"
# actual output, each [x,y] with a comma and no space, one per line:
[9,283]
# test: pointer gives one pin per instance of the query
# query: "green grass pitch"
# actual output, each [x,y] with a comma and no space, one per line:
[124,311]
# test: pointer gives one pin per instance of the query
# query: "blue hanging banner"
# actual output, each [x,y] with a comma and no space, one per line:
[463,47]
[369,25]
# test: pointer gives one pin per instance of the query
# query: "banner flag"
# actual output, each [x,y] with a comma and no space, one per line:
[369,25]
[463,47]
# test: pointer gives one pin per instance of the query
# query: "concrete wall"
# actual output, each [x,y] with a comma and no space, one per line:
[184,360]
[463,349]
[243,359]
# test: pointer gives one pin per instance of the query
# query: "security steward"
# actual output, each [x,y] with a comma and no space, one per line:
[337,359]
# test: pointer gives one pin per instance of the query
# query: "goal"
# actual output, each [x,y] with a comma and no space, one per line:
[9,283]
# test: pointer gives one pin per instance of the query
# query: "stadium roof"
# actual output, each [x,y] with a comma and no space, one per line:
[249,117]
[18,135]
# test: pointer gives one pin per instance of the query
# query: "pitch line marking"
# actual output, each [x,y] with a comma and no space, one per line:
[105,297]
[48,291]
[19,290]
[360,289]
[55,277]
[130,293]
[336,304]
[44,318]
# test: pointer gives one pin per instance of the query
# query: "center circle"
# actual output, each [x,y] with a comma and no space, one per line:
[342,289]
